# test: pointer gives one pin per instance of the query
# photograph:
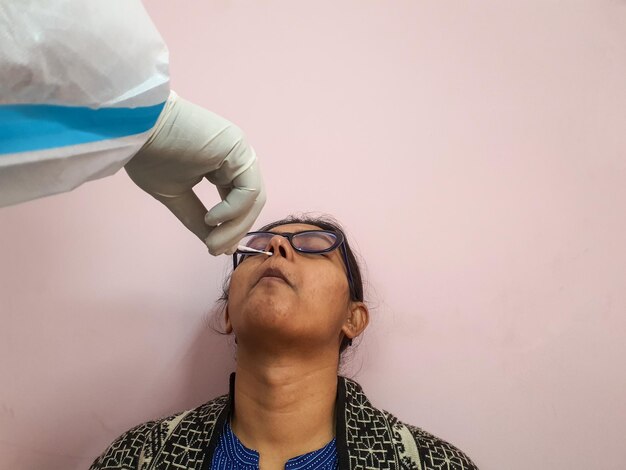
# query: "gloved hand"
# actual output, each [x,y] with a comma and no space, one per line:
[189,143]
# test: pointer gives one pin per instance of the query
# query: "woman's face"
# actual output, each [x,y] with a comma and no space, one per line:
[309,308]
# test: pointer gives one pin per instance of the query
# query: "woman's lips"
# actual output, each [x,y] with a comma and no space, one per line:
[272,278]
[273,274]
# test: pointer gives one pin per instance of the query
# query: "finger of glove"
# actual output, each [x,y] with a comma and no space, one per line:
[225,237]
[224,190]
[245,190]
[188,208]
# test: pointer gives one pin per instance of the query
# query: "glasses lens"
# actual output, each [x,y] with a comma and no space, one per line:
[314,242]
[257,241]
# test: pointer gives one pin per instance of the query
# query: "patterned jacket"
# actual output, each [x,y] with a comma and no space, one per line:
[367,438]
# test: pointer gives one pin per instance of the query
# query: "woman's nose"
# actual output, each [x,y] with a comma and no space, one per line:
[280,246]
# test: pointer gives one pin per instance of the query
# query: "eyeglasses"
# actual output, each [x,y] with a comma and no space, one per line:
[308,242]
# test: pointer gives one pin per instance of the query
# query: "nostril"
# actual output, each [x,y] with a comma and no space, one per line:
[282,250]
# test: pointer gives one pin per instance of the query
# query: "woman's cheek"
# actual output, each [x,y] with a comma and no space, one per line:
[323,286]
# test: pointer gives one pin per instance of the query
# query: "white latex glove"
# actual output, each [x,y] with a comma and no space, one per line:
[189,143]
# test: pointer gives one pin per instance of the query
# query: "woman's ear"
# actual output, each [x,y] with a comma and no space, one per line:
[356,321]
[228,327]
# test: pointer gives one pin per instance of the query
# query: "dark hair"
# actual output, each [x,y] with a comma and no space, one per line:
[325,222]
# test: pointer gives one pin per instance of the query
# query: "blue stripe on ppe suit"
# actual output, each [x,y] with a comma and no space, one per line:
[30,127]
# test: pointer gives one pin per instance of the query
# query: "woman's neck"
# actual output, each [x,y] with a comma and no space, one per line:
[284,407]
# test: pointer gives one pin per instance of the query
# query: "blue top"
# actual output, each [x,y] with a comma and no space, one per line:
[231,454]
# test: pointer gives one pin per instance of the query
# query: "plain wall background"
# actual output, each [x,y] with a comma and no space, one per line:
[475,152]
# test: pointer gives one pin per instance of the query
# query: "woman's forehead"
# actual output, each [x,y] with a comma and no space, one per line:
[291,228]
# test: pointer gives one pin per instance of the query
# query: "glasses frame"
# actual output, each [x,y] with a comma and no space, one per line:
[339,243]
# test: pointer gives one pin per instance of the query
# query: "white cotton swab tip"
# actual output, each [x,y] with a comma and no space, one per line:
[253,250]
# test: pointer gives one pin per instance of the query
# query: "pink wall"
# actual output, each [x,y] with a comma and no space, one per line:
[476,153]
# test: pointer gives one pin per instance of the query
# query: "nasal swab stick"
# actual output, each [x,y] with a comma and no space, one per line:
[254,250]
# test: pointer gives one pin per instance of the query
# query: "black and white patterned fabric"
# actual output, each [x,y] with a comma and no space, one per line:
[367,439]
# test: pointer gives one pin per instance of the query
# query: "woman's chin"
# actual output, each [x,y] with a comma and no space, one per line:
[269,312]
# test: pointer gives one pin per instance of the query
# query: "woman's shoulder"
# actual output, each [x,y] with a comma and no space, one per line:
[414,447]
[431,451]
[138,445]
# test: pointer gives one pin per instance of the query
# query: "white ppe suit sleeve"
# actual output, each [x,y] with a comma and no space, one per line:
[82,86]
[82,83]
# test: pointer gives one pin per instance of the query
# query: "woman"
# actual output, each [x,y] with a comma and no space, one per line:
[293,309]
